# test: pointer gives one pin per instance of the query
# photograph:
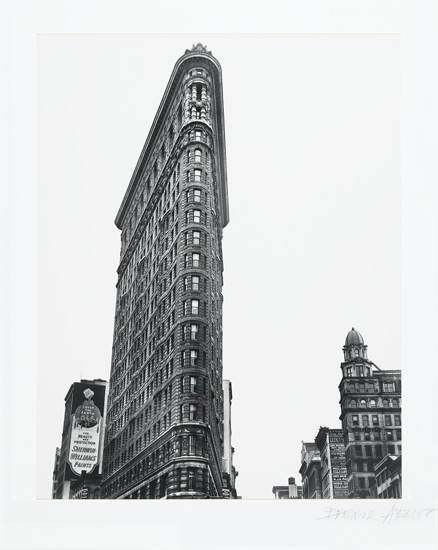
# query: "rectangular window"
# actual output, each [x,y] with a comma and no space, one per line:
[197,135]
[198,176]
[358,449]
[391,449]
[191,480]
[367,436]
[192,445]
[388,421]
[379,452]
[397,420]
[364,420]
[197,155]
[196,237]
[196,195]
[375,420]
[368,450]
[193,413]
[194,330]
[389,435]
[376,436]
[195,307]
[186,307]
[355,420]
[362,483]
[193,358]
[196,216]
[194,384]
[398,435]
[196,260]
[195,282]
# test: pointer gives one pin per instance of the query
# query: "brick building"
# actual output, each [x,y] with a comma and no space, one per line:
[310,471]
[165,422]
[333,466]
[370,414]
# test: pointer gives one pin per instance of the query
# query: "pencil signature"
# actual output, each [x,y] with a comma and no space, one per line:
[395,513]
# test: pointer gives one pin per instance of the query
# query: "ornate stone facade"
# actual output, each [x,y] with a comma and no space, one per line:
[370,415]
[165,432]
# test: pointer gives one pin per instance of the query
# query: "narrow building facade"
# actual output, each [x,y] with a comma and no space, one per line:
[310,471]
[165,421]
[79,459]
[333,466]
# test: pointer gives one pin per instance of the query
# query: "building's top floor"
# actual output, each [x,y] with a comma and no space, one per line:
[326,436]
[95,382]
[356,363]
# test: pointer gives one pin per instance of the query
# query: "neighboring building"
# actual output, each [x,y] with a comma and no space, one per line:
[229,473]
[165,422]
[388,477]
[55,472]
[288,491]
[333,466]
[80,456]
[310,471]
[370,414]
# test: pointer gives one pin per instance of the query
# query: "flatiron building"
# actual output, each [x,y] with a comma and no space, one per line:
[165,421]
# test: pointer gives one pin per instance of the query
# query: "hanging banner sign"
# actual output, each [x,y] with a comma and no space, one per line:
[85,436]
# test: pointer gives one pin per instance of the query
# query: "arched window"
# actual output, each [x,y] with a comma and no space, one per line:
[356,352]
[385,403]
[372,403]
[197,155]
[395,403]
[363,403]
[353,403]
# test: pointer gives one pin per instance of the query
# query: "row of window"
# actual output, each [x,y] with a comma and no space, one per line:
[372,403]
[375,435]
[389,419]
[367,450]
[369,387]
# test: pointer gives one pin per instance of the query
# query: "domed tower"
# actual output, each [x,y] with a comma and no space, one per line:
[371,417]
[355,355]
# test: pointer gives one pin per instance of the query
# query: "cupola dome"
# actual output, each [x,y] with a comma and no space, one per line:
[354,338]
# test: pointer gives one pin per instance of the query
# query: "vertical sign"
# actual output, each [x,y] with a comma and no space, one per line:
[338,462]
[85,429]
